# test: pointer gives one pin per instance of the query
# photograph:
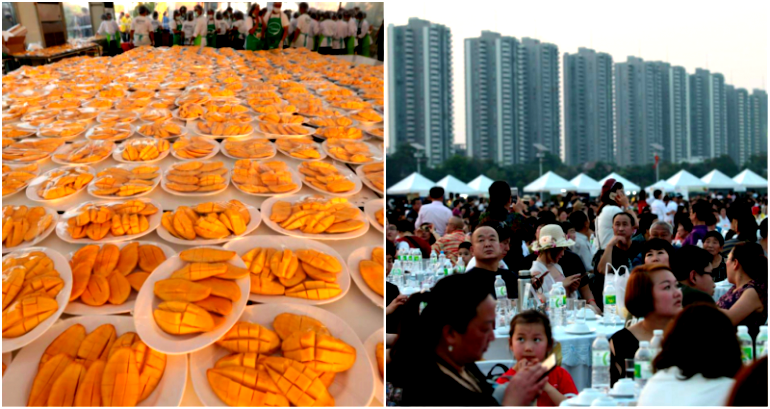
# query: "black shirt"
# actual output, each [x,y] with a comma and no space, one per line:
[425,384]
[692,295]
[391,320]
[511,280]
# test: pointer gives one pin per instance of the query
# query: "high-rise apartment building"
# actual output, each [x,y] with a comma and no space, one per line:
[588,118]
[420,88]
[739,137]
[541,99]
[758,121]
[676,143]
[708,115]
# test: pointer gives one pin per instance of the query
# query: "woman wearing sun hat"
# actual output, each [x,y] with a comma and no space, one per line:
[550,248]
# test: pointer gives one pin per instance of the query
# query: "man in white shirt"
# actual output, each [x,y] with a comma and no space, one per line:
[657,207]
[435,212]
[340,33]
[362,32]
[351,40]
[109,28]
[316,28]
[328,30]
[201,27]
[303,32]
[188,27]
[671,208]
[141,28]
[275,27]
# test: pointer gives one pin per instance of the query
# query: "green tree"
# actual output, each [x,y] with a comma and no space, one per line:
[757,164]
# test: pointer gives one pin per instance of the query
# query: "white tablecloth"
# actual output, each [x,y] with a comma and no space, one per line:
[575,350]
[357,310]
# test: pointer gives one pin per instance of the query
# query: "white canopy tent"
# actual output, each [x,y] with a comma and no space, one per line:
[549,182]
[685,180]
[627,184]
[718,180]
[749,179]
[662,185]
[481,184]
[586,184]
[412,184]
[453,185]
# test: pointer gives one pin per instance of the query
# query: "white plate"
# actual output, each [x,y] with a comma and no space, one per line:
[92,186]
[194,127]
[590,331]
[209,156]
[61,227]
[370,208]
[376,154]
[354,387]
[618,395]
[40,237]
[28,162]
[118,152]
[175,115]
[23,370]
[267,210]
[7,359]
[133,114]
[256,219]
[296,178]
[181,125]
[245,244]
[147,302]
[371,350]
[66,148]
[364,253]
[362,175]
[366,131]
[308,131]
[173,192]
[90,132]
[36,182]
[61,265]
[224,151]
[347,173]
[79,308]
[317,147]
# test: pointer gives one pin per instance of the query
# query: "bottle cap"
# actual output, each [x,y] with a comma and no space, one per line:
[644,344]
[657,332]
[742,329]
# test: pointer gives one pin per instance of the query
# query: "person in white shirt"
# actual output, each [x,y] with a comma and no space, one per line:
[340,32]
[328,30]
[201,27]
[141,28]
[109,28]
[316,28]
[689,371]
[657,207]
[435,212]
[221,27]
[362,34]
[303,30]
[671,209]
[614,201]
[239,33]
[188,27]
[351,40]
[275,28]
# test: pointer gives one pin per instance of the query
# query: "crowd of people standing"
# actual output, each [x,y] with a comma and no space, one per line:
[675,251]
[341,32]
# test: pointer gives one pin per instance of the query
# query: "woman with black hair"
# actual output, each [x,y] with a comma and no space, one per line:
[701,217]
[442,336]
[700,374]
[613,201]
[746,302]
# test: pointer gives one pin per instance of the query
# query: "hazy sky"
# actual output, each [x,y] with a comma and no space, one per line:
[730,38]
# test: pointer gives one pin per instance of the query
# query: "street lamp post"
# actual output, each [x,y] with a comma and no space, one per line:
[656,149]
[540,155]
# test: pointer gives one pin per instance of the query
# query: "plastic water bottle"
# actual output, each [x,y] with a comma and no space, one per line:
[433,258]
[558,298]
[447,267]
[747,346]
[600,363]
[657,338]
[761,342]
[501,291]
[643,364]
[441,258]
[418,258]
[610,302]
[460,266]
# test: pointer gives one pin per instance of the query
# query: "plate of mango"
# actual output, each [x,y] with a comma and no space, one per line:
[331,179]
[90,361]
[297,355]
[292,270]
[314,217]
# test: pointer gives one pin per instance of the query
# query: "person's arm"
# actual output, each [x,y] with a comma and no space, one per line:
[525,386]
[264,26]
[554,394]
[397,302]
[285,31]
[607,256]
[585,292]
[747,304]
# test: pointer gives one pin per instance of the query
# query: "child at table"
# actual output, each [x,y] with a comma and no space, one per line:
[530,341]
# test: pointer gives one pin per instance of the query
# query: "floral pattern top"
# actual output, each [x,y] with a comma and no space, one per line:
[755,319]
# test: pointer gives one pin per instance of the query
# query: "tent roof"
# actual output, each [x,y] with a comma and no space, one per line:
[627,184]
[549,182]
[747,178]
[685,180]
[481,184]
[453,185]
[586,184]
[718,180]
[662,185]
[414,183]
